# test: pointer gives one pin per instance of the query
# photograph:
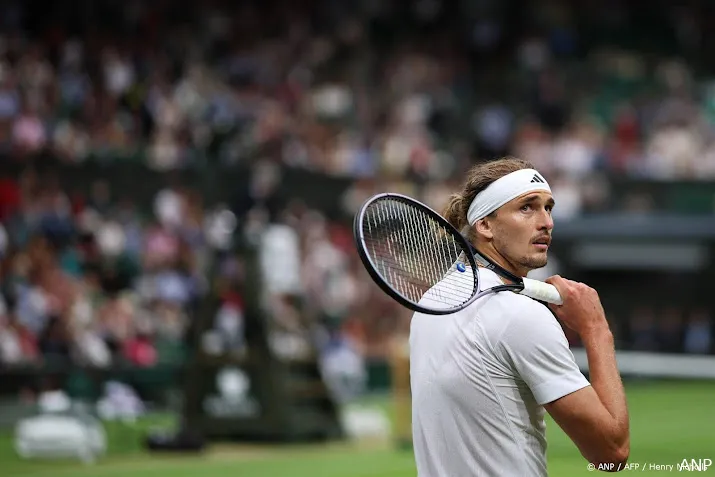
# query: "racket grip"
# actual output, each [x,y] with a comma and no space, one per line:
[541,291]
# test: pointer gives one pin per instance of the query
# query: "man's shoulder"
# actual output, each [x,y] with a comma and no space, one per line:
[511,303]
[520,307]
[510,315]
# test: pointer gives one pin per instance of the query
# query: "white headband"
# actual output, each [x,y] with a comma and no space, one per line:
[503,190]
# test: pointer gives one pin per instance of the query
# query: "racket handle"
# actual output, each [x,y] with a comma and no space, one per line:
[541,291]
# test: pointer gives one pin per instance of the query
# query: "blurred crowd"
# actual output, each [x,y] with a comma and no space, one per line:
[673,329]
[404,89]
[405,93]
[86,280]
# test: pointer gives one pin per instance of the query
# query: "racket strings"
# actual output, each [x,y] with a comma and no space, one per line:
[453,288]
[414,253]
[454,293]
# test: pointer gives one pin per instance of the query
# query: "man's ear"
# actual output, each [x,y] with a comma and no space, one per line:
[484,228]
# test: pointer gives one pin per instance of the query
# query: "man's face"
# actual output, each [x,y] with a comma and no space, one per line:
[522,230]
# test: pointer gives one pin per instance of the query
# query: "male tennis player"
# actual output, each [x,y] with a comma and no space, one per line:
[482,377]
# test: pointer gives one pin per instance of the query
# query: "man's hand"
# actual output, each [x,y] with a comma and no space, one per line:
[581,310]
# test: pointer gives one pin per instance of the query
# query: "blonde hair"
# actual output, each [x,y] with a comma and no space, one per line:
[478,178]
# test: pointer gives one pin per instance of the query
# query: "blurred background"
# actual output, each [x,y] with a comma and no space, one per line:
[178,181]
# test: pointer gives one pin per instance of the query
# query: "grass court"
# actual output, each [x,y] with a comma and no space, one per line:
[670,421]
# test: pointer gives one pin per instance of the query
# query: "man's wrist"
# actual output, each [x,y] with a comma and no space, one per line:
[597,334]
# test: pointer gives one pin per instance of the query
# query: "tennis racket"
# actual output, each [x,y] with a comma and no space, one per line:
[423,262]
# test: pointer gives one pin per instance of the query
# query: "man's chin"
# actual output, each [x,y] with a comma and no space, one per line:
[534,262]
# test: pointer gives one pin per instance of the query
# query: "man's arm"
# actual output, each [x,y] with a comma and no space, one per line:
[596,417]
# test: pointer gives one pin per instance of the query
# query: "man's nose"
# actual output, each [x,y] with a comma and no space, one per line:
[546,222]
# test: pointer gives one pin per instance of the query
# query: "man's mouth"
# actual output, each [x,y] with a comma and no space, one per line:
[542,242]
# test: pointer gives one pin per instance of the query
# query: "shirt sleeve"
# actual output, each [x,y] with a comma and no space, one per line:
[536,348]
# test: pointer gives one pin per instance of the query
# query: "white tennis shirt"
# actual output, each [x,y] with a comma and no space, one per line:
[480,378]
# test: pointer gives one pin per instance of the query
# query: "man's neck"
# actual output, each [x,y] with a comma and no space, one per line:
[498,259]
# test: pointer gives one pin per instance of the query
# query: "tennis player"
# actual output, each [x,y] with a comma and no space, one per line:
[481,378]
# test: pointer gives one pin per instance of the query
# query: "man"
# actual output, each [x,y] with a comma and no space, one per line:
[481,378]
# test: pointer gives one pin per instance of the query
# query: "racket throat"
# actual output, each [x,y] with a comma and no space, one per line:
[485,262]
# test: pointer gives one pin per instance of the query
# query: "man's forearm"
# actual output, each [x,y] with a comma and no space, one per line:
[606,380]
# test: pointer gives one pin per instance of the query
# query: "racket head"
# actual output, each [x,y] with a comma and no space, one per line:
[408,248]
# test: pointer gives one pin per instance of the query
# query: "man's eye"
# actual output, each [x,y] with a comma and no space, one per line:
[526,207]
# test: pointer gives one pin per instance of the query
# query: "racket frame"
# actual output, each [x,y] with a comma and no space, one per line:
[395,294]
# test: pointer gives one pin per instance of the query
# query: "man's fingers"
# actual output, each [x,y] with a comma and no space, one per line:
[554,279]
[561,285]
